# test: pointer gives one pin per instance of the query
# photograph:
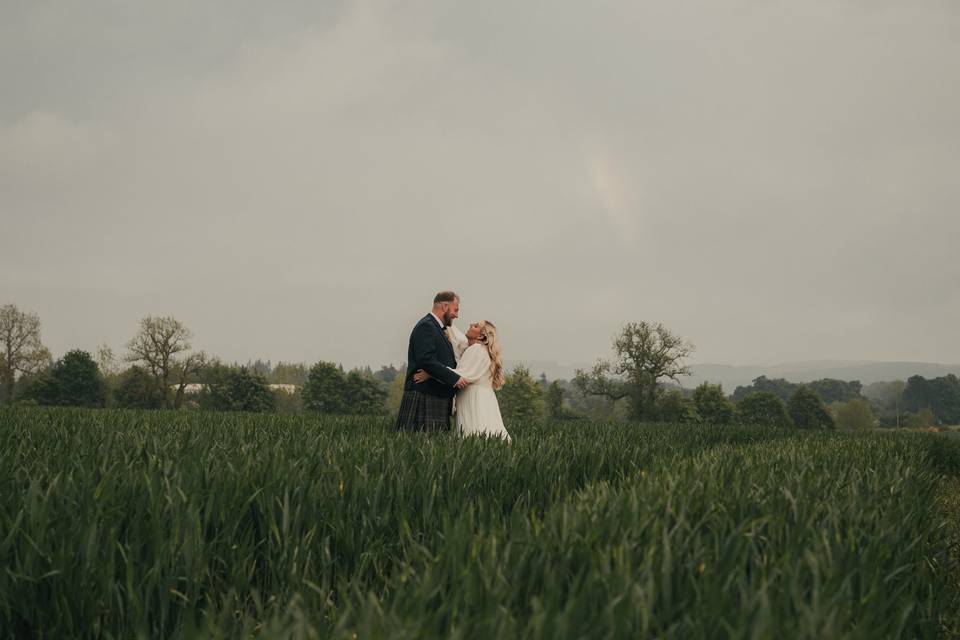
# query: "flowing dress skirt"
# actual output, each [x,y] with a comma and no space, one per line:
[478,412]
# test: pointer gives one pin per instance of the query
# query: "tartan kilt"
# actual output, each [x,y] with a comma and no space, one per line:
[423,412]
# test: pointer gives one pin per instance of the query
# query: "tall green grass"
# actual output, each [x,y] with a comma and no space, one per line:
[155,524]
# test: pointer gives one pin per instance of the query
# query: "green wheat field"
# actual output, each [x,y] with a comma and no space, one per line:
[125,524]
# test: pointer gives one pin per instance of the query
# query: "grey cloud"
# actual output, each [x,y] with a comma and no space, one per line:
[772,180]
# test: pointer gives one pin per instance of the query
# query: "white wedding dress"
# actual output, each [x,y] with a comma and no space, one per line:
[476,408]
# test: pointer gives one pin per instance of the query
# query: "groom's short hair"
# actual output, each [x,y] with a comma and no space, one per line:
[445,296]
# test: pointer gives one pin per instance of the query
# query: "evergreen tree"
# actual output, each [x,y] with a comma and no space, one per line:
[387,373]
[260,368]
[289,373]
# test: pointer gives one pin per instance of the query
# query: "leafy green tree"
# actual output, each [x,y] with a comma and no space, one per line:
[919,419]
[241,390]
[887,399]
[832,390]
[553,400]
[78,382]
[521,398]
[323,389]
[917,394]
[73,381]
[807,411]
[138,389]
[363,395]
[712,404]
[395,392]
[940,395]
[21,351]
[947,407]
[215,373]
[645,353]
[762,384]
[764,408]
[855,414]
[39,389]
[675,408]
[596,408]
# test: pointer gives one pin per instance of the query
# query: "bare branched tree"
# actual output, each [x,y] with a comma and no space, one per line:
[645,354]
[186,369]
[21,351]
[156,346]
[107,360]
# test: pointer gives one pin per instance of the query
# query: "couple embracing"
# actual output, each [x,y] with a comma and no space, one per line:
[452,373]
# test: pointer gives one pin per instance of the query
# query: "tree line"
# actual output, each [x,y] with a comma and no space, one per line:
[641,382]
[162,370]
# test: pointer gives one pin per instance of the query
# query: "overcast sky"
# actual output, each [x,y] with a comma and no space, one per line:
[774,181]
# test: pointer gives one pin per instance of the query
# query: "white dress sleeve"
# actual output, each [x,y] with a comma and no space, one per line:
[458,340]
[474,363]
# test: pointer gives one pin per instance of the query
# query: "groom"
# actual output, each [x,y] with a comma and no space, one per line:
[427,406]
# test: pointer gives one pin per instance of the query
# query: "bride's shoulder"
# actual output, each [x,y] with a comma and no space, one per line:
[478,349]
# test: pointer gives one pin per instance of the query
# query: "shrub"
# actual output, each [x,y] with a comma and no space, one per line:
[855,414]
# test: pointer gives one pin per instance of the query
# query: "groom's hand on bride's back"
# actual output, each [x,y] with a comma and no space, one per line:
[422,376]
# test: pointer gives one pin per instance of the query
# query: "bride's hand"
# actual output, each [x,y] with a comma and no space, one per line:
[421,376]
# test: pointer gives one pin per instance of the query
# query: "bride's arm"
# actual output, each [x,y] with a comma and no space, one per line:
[458,339]
[474,365]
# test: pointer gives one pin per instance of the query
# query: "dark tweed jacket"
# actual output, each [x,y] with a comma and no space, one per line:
[431,351]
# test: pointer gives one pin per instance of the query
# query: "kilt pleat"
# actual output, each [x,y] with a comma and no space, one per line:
[423,412]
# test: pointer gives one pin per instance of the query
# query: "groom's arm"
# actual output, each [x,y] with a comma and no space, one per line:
[425,354]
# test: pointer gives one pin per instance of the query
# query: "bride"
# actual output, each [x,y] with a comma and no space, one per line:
[479,363]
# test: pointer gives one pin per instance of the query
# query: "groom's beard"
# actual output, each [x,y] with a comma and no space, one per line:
[447,320]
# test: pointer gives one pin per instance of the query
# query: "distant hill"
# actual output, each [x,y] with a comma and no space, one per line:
[865,371]
[731,376]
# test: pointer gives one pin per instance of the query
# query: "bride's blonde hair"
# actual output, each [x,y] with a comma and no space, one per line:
[488,338]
